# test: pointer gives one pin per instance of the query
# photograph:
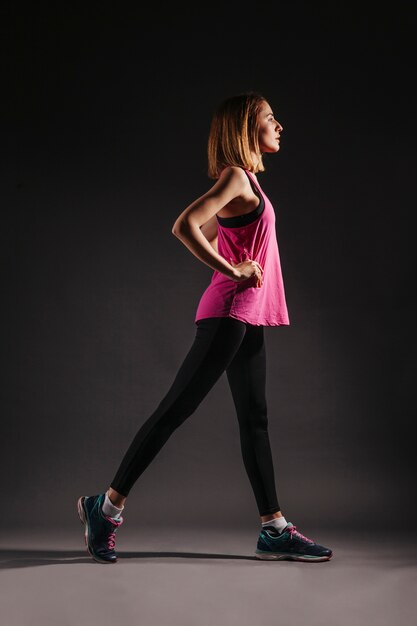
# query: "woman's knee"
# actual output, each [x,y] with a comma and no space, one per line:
[253,418]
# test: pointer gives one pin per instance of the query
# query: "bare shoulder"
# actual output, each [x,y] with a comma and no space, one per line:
[233,173]
[232,180]
[231,184]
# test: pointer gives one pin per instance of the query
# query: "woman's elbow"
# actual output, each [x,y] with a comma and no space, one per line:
[180,227]
[177,230]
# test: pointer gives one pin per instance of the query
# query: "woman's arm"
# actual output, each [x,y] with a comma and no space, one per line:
[188,225]
[210,232]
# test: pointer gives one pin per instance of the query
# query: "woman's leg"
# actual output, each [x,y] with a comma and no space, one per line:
[216,343]
[247,379]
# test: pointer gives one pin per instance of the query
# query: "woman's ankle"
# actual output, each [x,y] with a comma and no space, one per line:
[267,518]
[116,498]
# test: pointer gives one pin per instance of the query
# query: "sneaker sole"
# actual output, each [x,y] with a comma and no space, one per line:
[84,521]
[273,556]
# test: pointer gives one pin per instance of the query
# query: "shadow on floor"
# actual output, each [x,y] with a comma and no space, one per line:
[346,555]
[15,558]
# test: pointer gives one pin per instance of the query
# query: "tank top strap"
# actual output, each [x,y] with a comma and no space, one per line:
[252,179]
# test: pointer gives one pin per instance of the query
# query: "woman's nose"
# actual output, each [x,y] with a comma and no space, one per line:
[280,128]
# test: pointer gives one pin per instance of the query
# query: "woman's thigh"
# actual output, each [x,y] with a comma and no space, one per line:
[247,374]
[216,342]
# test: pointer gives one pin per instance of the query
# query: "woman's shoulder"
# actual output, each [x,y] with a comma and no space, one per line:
[233,170]
[232,182]
[233,173]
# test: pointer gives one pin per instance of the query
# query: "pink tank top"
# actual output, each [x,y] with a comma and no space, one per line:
[257,240]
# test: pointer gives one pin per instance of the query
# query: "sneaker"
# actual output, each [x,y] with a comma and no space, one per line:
[289,545]
[100,530]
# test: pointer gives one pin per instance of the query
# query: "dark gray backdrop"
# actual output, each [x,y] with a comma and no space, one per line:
[107,117]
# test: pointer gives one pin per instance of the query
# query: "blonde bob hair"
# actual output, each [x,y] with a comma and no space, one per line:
[234,134]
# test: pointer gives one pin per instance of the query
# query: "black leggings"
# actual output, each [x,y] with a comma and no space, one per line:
[221,343]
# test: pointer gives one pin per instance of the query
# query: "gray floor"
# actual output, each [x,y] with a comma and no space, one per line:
[202,576]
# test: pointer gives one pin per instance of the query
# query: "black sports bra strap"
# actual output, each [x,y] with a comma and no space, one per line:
[246,218]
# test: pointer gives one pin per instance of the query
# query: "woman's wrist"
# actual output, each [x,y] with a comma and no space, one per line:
[235,273]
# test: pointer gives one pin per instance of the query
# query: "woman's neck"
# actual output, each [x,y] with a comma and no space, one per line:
[256,159]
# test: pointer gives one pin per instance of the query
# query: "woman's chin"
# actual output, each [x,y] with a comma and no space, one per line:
[270,149]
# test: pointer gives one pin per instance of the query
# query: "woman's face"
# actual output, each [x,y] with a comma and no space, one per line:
[269,130]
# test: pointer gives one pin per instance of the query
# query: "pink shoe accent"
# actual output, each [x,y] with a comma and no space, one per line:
[111,539]
[115,522]
[293,531]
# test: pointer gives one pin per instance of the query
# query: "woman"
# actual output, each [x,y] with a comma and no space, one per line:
[231,228]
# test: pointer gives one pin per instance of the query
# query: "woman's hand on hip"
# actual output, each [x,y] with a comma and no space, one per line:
[246,269]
